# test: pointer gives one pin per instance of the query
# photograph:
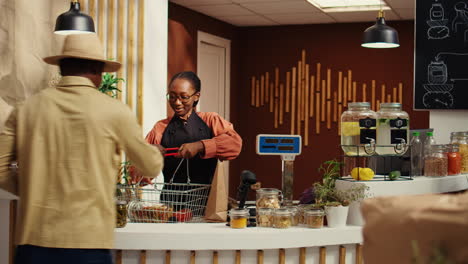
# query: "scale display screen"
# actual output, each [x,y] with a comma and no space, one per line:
[269,144]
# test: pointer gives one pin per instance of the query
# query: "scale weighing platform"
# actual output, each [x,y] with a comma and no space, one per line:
[286,146]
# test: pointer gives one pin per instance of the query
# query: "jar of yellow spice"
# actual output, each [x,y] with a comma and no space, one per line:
[238,217]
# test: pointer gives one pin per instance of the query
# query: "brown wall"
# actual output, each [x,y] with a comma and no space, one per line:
[257,50]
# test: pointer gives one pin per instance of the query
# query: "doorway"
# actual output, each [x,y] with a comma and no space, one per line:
[214,68]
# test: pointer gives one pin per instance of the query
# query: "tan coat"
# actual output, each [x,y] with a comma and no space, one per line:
[67,142]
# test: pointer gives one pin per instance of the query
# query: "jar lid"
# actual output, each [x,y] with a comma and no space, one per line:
[458,134]
[416,133]
[239,211]
[359,104]
[315,212]
[282,211]
[293,209]
[439,148]
[390,105]
[268,191]
[453,148]
[264,210]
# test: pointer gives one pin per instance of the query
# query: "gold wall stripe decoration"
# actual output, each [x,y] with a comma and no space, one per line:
[281,257]
[168,257]
[342,255]
[238,257]
[306,95]
[322,255]
[130,53]
[259,256]
[141,56]
[302,256]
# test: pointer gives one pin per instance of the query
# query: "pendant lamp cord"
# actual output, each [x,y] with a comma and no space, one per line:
[381,13]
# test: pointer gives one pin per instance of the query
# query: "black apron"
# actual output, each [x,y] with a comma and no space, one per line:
[178,133]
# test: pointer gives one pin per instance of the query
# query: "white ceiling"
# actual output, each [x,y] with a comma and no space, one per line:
[289,12]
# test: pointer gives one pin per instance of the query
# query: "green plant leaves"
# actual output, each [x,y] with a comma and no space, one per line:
[109,84]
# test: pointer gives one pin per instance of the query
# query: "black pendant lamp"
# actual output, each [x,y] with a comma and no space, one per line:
[74,22]
[380,35]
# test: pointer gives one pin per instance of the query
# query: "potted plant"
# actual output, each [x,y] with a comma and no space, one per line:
[109,84]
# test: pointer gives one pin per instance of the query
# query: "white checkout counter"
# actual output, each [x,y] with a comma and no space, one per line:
[217,243]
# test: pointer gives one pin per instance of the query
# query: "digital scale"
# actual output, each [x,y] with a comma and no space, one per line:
[286,146]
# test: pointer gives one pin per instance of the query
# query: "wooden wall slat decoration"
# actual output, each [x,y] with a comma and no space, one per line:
[288,90]
[238,257]
[319,82]
[110,29]
[168,257]
[142,257]
[118,256]
[101,11]
[281,104]
[354,91]
[373,96]
[306,106]
[322,255]
[395,97]
[340,110]
[328,114]
[252,91]
[299,97]
[350,82]
[257,93]
[389,98]
[324,91]
[272,95]
[342,255]
[130,54]
[12,230]
[120,43]
[192,256]
[317,112]
[267,91]
[281,257]
[84,5]
[382,96]
[345,91]
[262,90]
[215,257]
[302,255]
[141,56]
[259,256]
[293,100]
[312,97]
[303,84]
[400,93]
[378,105]
[328,84]
[335,107]
[92,9]
[359,254]
[340,86]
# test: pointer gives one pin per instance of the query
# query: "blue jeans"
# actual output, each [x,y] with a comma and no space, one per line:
[28,254]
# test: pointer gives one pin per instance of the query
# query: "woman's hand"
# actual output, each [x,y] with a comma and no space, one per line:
[189,150]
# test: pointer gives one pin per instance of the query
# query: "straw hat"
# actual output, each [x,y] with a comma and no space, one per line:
[83,46]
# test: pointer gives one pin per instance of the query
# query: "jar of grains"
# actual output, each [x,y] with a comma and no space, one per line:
[461,139]
[314,218]
[295,215]
[282,218]
[265,217]
[269,198]
[436,164]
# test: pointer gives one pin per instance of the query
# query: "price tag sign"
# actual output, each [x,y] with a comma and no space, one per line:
[268,144]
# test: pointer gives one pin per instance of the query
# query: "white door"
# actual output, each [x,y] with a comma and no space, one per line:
[213,68]
[212,72]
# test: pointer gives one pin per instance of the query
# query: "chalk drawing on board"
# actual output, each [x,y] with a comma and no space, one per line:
[461,18]
[437,22]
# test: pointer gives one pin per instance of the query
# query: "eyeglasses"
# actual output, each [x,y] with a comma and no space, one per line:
[182,98]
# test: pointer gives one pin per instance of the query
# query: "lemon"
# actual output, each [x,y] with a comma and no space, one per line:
[350,129]
[362,174]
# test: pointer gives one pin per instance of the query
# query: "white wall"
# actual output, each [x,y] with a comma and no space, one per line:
[447,121]
[155,63]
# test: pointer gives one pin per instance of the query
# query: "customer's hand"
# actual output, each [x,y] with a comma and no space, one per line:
[189,150]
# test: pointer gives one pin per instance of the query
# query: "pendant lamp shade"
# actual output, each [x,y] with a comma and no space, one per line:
[380,35]
[74,22]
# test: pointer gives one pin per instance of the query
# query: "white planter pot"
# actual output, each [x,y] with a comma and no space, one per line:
[354,214]
[336,215]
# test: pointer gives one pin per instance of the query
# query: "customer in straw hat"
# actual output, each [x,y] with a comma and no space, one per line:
[67,141]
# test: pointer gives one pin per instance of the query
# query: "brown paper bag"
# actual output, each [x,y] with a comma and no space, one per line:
[396,226]
[216,207]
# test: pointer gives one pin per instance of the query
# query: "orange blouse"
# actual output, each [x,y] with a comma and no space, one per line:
[225,145]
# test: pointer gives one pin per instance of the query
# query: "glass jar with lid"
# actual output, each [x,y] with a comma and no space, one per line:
[295,214]
[461,139]
[282,218]
[436,164]
[392,129]
[269,198]
[358,128]
[238,217]
[454,160]
[313,218]
[265,217]
[121,213]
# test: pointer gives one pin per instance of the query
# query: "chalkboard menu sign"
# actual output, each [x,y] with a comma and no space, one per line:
[441,54]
